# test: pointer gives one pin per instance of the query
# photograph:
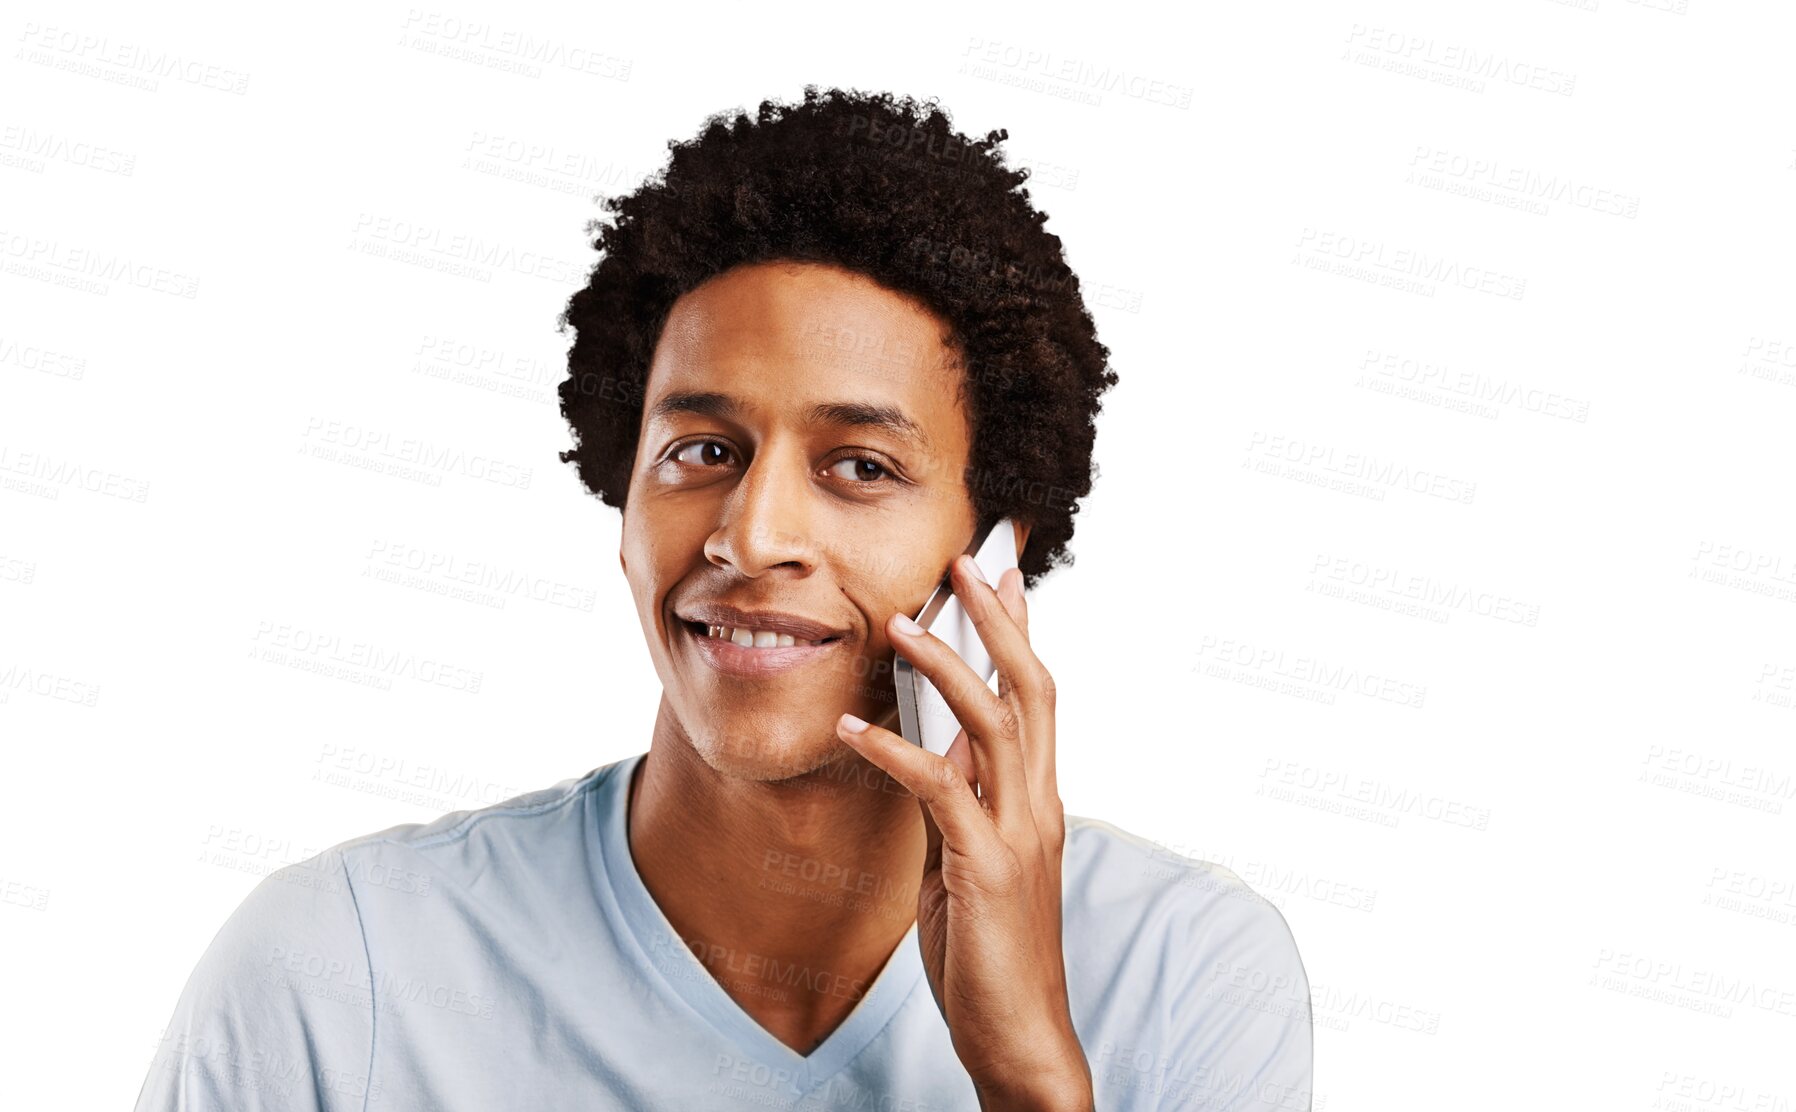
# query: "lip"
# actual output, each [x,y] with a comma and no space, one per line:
[737,660]
[773,621]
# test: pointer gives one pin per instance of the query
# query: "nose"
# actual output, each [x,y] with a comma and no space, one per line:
[767,517]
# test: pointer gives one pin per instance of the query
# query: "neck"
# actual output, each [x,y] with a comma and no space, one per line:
[792,892]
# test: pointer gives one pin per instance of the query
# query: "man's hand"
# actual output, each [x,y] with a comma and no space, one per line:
[988,912]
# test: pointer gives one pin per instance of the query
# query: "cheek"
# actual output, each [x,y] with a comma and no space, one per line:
[658,549]
[879,599]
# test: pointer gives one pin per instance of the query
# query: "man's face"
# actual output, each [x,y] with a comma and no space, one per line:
[762,484]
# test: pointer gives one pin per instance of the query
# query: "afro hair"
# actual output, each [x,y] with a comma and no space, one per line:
[882,186]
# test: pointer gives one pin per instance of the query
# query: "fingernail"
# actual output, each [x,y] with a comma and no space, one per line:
[974,570]
[905,625]
[852,724]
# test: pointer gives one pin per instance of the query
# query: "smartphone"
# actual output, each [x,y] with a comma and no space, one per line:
[923,715]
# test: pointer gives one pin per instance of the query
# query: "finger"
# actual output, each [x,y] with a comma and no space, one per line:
[938,783]
[932,839]
[1039,750]
[1015,600]
[960,755]
[991,723]
[1003,637]
[1023,682]
[1010,597]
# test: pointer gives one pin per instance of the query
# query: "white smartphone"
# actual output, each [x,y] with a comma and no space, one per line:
[923,715]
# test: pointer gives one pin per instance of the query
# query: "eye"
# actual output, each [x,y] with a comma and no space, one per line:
[867,470]
[860,476]
[687,447]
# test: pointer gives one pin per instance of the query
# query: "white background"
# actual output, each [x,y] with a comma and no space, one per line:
[1457,622]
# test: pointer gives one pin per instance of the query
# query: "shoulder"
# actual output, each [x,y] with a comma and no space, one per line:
[280,1009]
[324,900]
[543,836]
[277,1012]
[1208,913]
[1103,862]
[1230,1017]
[520,815]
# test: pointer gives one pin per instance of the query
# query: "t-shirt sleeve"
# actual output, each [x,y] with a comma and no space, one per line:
[278,1014]
[1247,1044]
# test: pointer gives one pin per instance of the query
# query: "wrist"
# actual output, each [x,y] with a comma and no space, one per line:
[1068,1094]
[1063,1084]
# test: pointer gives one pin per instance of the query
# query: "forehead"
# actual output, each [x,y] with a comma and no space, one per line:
[785,337]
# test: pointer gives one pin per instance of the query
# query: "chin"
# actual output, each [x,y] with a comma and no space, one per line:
[770,750]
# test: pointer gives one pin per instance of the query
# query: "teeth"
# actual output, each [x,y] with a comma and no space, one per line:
[755,638]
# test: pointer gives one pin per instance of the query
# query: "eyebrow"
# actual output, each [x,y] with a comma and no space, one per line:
[708,403]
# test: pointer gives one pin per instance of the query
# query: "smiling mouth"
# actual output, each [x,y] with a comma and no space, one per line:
[752,639]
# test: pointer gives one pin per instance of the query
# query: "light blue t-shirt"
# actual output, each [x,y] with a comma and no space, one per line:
[510,958]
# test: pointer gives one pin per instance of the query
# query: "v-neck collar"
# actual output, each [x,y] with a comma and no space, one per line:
[641,921]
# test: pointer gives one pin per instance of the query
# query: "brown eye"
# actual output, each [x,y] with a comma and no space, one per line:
[863,465]
[704,459]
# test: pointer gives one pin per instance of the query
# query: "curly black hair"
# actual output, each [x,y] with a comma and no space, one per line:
[882,186]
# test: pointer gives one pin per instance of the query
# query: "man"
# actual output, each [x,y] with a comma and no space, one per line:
[811,363]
